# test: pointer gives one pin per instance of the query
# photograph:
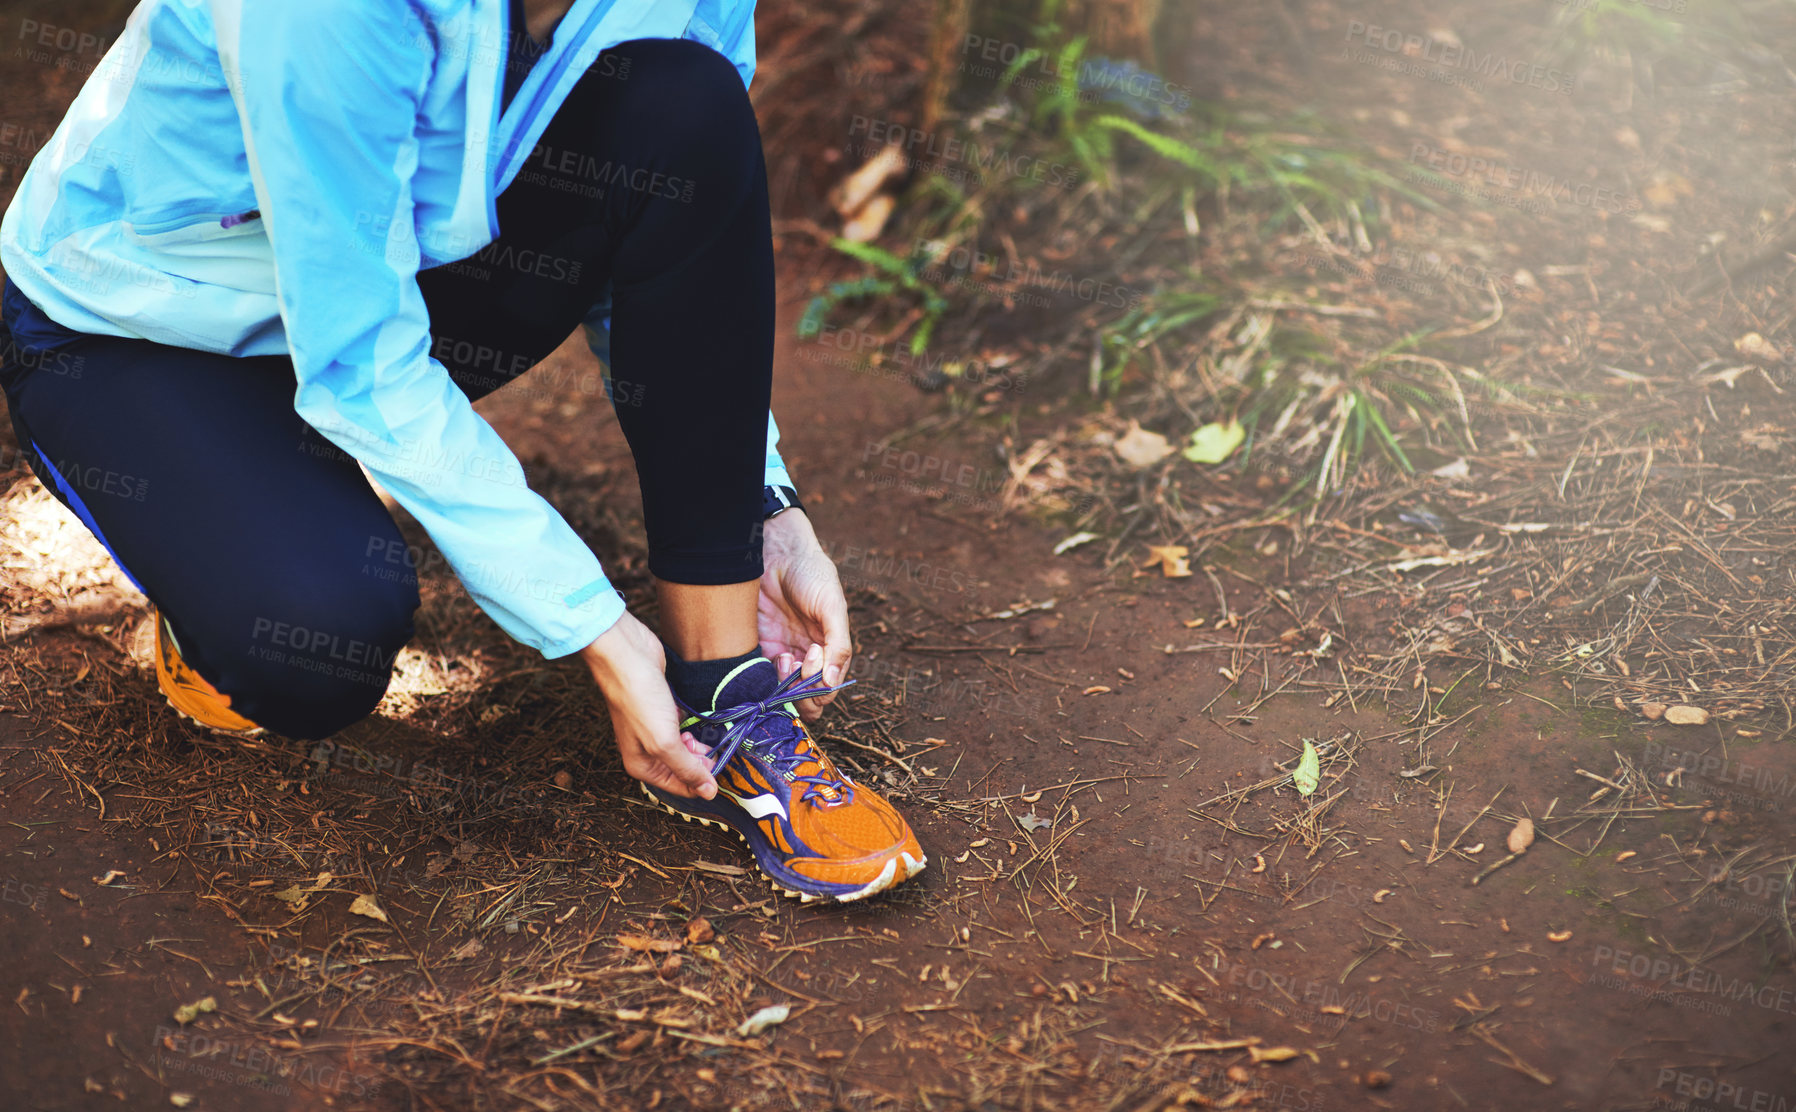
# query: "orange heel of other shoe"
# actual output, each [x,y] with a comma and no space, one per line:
[189,693]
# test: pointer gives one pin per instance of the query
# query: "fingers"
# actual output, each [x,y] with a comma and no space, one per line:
[838,646]
[680,766]
[693,772]
[809,709]
[677,771]
[627,663]
[832,657]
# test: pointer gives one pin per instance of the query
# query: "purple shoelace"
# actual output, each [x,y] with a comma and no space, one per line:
[743,718]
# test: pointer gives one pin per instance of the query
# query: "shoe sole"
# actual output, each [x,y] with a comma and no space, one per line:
[254,734]
[887,878]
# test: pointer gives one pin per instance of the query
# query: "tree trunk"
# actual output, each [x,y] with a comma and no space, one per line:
[968,38]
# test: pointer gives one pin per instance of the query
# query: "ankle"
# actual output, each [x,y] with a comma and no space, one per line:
[704,622]
[695,682]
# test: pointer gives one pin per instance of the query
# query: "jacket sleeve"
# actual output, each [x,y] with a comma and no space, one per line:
[327,92]
[728,27]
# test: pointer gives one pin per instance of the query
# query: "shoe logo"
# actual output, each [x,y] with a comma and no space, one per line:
[759,806]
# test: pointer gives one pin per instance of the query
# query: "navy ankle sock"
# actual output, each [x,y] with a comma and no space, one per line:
[695,681]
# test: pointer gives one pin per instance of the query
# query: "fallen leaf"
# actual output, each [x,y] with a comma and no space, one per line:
[651,945]
[1215,442]
[771,1016]
[1458,469]
[1654,711]
[633,1042]
[366,905]
[187,1013]
[1760,439]
[1683,715]
[1171,558]
[1309,770]
[1756,347]
[1020,609]
[1141,448]
[1665,189]
[1032,821]
[1522,836]
[700,930]
[1073,542]
[466,950]
[865,225]
[1451,558]
[1726,376]
[858,188]
[720,870]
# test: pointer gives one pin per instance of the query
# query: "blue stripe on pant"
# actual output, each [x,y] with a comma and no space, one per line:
[262,544]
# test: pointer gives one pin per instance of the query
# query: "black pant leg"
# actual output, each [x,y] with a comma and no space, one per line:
[650,178]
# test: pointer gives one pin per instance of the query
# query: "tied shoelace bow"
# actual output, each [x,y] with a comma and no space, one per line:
[743,718]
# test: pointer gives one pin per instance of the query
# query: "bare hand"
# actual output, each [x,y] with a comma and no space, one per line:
[629,665]
[803,613]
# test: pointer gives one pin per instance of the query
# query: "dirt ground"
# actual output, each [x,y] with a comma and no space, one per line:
[1128,904]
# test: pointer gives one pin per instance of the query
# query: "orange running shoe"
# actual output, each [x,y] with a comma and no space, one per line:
[816,834]
[188,692]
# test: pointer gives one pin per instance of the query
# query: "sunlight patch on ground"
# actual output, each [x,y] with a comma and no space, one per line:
[418,675]
[48,555]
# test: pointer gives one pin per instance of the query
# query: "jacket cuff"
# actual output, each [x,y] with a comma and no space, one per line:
[606,615]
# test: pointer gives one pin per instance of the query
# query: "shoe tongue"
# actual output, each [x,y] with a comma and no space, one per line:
[749,682]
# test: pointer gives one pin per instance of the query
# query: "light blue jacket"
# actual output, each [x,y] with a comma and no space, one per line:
[368,136]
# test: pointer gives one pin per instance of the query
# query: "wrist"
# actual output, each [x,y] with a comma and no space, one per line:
[606,655]
[786,529]
[778,499]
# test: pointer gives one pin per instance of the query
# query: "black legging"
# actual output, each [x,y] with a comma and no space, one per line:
[263,543]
